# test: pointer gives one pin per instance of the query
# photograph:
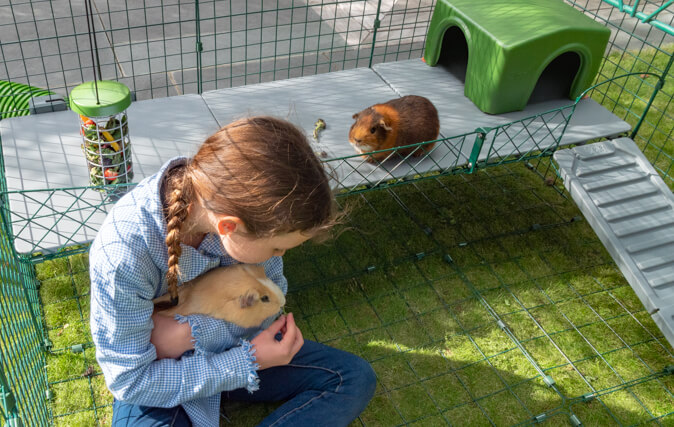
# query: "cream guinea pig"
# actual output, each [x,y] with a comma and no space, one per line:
[241,294]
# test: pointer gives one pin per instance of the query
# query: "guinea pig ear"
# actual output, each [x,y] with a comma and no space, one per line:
[249,299]
[355,116]
[383,124]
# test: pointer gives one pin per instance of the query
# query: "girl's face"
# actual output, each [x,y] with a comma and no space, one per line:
[252,250]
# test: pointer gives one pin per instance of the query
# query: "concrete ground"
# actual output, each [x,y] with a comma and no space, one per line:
[152,45]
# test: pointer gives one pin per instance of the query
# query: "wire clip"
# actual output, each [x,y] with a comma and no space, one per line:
[587,397]
[574,420]
[548,380]
[47,104]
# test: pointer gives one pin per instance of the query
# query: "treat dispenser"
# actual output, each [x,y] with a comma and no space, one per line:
[104,127]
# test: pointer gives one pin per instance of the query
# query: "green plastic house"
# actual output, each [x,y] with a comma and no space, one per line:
[510,43]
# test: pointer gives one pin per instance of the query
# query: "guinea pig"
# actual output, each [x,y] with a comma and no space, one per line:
[241,294]
[401,121]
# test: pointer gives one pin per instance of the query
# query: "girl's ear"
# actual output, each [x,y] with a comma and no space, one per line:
[229,224]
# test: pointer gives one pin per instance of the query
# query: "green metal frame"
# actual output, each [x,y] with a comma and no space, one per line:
[645,17]
[211,45]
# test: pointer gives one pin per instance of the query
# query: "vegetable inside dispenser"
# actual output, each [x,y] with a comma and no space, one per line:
[104,127]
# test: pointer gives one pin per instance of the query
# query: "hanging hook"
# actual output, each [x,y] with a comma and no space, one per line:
[93,45]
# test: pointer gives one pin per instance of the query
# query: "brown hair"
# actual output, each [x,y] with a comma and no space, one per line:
[259,169]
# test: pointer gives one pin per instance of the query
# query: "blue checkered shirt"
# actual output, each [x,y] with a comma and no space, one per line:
[128,263]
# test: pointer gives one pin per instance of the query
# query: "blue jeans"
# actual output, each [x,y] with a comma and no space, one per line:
[322,386]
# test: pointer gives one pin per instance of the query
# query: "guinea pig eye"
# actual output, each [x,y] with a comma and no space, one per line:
[265,298]
[373,130]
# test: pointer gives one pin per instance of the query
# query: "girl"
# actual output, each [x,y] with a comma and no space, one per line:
[254,190]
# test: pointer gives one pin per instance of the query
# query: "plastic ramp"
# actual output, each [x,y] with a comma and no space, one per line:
[631,209]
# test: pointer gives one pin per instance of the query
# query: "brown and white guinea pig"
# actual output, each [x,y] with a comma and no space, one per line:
[240,293]
[401,121]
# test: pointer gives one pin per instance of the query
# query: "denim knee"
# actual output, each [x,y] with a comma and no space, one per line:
[363,379]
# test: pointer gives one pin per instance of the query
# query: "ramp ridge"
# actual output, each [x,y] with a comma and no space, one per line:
[632,211]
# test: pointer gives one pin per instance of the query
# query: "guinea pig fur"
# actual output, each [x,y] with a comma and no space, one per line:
[401,121]
[241,294]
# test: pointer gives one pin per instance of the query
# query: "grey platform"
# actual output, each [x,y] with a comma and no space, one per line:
[336,96]
[459,115]
[632,211]
[42,152]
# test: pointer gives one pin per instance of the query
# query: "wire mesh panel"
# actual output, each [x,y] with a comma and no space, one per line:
[463,292]
[173,47]
[77,391]
[70,216]
[480,299]
[356,173]
[45,44]
[637,47]
[22,359]
[252,42]
[521,140]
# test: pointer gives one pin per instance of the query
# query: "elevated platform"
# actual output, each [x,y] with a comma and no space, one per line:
[632,211]
[335,97]
[43,156]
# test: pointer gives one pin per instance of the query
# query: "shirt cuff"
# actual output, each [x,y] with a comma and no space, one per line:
[252,379]
[213,337]
[209,335]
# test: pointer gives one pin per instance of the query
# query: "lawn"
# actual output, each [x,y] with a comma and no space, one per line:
[627,98]
[463,292]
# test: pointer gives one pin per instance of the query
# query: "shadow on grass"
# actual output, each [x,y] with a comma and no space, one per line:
[481,378]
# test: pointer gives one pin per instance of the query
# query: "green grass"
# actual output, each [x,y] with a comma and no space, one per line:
[627,98]
[427,325]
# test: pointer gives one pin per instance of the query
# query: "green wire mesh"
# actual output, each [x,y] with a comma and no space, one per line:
[171,48]
[46,216]
[462,302]
[21,341]
[464,292]
[649,12]
[522,140]
[638,48]
[479,298]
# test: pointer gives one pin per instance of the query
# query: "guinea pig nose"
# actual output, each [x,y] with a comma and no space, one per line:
[358,140]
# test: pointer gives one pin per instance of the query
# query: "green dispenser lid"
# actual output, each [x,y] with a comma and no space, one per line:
[114,97]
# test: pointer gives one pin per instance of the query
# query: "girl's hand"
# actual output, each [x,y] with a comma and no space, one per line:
[271,352]
[170,338]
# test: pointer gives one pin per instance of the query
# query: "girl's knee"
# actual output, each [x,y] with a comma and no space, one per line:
[370,379]
[363,377]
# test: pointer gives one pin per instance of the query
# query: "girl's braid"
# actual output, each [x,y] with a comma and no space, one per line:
[178,197]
